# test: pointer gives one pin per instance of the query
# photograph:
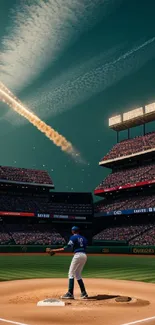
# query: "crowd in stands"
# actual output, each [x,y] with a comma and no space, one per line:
[23,204]
[41,205]
[146,238]
[135,235]
[136,202]
[33,235]
[5,238]
[121,233]
[24,175]
[37,238]
[68,209]
[20,234]
[131,146]
[129,176]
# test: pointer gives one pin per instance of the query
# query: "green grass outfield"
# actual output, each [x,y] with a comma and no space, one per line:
[137,268]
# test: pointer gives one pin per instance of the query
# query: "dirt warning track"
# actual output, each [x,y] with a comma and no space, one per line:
[18,303]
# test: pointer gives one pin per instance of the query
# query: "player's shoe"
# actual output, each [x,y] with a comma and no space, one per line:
[67,295]
[84,295]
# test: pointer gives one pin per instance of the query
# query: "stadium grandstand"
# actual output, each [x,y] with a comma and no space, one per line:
[32,213]
[130,147]
[126,213]
[24,176]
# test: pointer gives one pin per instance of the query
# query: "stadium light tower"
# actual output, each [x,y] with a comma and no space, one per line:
[133,118]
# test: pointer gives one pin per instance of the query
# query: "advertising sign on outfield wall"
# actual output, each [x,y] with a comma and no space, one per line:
[143,251]
[124,212]
[43,215]
[17,214]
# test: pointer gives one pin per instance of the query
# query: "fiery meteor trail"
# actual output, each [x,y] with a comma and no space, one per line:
[7,97]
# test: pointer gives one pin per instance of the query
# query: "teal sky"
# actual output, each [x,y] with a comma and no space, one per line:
[74,63]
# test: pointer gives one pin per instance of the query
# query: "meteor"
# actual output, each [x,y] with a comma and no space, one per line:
[7,97]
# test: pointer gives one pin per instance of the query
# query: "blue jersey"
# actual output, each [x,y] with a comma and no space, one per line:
[78,243]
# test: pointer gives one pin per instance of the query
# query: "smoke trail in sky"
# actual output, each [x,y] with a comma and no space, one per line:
[81,83]
[7,97]
[40,31]
[86,80]
[37,100]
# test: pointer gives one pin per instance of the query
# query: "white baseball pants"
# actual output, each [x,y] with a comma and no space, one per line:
[78,262]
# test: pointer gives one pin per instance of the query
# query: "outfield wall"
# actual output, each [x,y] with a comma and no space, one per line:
[135,250]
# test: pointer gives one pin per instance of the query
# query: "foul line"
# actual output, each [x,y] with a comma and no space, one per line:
[131,323]
[139,321]
[11,322]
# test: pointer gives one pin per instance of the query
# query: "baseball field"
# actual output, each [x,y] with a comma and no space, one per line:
[122,267]
[39,276]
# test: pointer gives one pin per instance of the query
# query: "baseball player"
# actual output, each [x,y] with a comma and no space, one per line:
[78,244]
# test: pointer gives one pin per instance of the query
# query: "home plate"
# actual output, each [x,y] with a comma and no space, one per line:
[50,303]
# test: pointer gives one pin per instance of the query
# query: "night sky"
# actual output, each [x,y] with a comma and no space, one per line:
[74,63]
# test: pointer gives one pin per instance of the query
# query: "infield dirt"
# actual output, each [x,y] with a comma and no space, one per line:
[18,302]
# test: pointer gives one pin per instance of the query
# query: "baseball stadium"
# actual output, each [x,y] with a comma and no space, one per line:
[120,230]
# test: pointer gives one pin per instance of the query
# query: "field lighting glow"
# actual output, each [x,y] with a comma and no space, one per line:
[133,114]
[115,120]
[150,108]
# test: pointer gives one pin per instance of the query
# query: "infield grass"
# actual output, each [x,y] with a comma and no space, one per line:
[137,268]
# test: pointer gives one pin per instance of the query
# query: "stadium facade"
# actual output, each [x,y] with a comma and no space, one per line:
[128,192]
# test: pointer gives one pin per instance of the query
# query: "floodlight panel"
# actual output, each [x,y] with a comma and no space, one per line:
[150,108]
[114,120]
[133,114]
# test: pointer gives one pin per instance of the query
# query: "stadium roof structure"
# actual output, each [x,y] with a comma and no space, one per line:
[135,117]
[25,176]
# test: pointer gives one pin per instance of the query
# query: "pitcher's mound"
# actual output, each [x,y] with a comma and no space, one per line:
[108,300]
[39,292]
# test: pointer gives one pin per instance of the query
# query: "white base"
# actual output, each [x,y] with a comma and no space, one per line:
[50,302]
